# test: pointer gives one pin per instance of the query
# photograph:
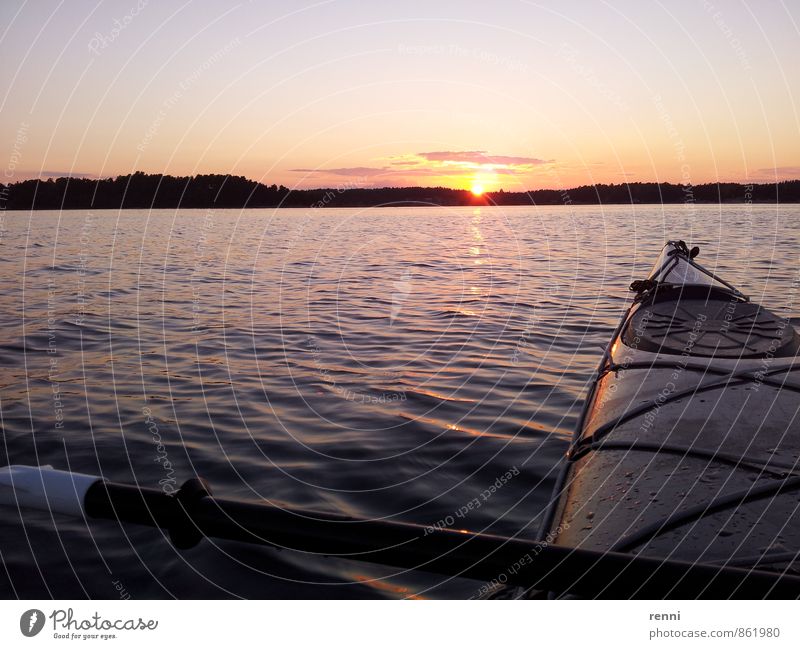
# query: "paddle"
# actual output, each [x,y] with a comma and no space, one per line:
[193,513]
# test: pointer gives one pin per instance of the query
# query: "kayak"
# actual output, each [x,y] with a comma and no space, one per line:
[688,445]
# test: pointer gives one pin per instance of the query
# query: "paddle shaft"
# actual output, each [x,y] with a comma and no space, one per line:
[193,514]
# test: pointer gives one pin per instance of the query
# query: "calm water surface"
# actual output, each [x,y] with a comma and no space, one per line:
[383,363]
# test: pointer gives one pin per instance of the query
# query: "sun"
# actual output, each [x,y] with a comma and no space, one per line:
[477,189]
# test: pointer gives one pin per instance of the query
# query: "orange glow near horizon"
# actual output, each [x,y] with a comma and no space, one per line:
[477,189]
[305,100]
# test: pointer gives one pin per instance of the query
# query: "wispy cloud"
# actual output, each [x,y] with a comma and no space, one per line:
[481,158]
[776,173]
[345,171]
[66,174]
[45,173]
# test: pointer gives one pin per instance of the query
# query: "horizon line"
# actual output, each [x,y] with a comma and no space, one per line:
[343,187]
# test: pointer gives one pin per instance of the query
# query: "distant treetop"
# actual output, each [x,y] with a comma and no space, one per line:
[145,191]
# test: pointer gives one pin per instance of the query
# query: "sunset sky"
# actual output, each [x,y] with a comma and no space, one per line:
[518,95]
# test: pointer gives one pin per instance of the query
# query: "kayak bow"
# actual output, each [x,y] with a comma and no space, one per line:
[687,448]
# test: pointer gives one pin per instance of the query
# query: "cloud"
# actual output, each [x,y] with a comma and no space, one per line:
[777,173]
[346,171]
[65,174]
[20,174]
[481,158]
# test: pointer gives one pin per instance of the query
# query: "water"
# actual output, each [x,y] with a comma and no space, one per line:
[384,363]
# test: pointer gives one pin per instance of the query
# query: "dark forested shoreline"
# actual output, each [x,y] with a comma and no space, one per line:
[144,191]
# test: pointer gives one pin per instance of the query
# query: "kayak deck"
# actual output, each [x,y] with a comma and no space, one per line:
[688,446]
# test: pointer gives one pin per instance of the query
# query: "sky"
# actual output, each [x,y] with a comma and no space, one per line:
[506,94]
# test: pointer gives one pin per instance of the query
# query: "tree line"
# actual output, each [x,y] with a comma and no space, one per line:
[146,191]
